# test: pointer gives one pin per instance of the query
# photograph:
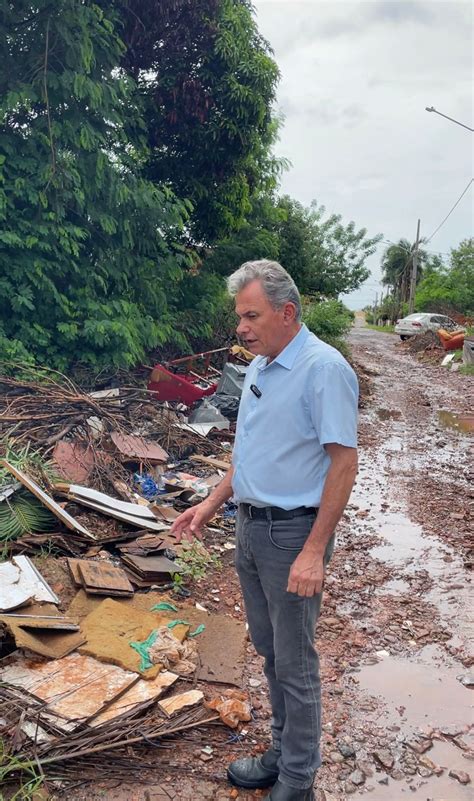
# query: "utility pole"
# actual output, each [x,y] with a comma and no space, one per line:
[414,270]
[375,308]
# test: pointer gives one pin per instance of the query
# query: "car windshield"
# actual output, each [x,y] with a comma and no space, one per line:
[415,317]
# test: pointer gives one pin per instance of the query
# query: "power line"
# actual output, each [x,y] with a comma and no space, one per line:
[450,212]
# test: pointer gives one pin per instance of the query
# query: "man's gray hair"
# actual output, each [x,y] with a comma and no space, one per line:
[277,284]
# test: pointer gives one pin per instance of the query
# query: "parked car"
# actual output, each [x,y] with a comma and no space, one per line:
[418,323]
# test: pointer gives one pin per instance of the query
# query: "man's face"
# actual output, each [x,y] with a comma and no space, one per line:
[265,330]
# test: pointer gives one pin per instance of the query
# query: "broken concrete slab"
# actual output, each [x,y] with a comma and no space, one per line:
[75,687]
[175,703]
[138,697]
[110,629]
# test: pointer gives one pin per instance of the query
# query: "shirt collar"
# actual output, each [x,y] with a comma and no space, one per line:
[288,355]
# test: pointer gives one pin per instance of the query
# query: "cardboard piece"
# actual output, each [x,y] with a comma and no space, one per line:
[49,502]
[175,703]
[138,697]
[74,687]
[111,627]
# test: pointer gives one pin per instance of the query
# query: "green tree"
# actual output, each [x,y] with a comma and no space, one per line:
[325,256]
[208,82]
[88,248]
[449,288]
[397,264]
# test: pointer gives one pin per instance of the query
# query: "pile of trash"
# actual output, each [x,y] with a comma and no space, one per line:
[428,341]
[99,478]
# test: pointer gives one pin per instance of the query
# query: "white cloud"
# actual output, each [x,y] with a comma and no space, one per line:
[356,78]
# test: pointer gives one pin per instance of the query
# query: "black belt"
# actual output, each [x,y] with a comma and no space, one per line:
[274,512]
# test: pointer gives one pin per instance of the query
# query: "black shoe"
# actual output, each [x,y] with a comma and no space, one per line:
[281,792]
[255,772]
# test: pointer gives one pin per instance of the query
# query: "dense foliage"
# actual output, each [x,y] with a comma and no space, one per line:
[449,288]
[136,170]
[325,257]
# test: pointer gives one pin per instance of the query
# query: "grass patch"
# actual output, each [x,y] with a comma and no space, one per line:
[24,774]
[386,329]
[466,369]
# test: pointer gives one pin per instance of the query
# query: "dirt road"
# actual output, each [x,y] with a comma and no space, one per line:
[395,636]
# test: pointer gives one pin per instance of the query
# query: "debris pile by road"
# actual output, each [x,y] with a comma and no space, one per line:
[98,478]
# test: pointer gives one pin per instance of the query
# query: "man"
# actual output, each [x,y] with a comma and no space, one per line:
[293,467]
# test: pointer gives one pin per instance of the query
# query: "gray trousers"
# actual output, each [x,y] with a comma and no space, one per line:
[282,627]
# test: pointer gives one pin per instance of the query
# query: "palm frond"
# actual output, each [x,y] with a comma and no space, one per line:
[21,514]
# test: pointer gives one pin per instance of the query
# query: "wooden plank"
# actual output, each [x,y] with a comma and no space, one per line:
[103,578]
[209,460]
[49,502]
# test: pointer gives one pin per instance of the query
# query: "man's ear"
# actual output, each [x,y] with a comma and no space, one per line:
[289,312]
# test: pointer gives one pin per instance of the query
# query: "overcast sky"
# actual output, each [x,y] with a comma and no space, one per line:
[355,80]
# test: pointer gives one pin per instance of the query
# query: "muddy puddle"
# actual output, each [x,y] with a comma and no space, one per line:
[423,694]
[463,423]
[388,414]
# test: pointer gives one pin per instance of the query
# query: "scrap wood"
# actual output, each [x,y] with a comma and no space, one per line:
[45,406]
[114,735]
[150,568]
[220,464]
[101,578]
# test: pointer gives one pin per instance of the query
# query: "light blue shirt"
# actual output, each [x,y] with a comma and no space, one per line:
[309,397]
